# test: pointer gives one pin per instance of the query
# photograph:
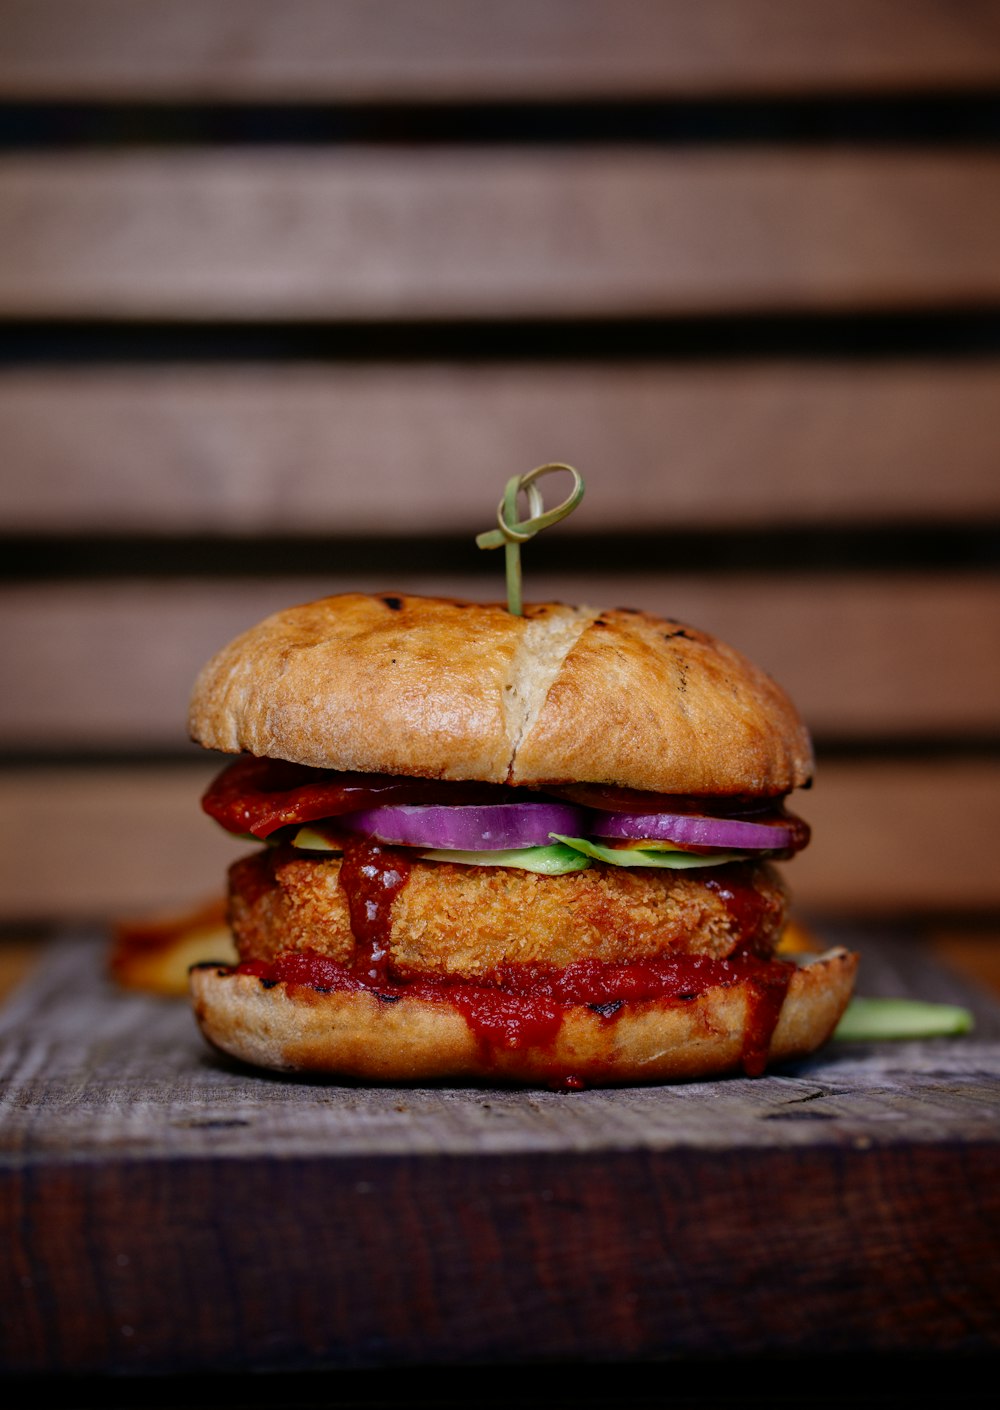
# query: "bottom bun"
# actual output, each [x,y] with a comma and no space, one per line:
[357,1034]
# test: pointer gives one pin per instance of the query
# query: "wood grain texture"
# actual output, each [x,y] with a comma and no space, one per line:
[412,448]
[497,233]
[446,50]
[110,665]
[165,1211]
[100,842]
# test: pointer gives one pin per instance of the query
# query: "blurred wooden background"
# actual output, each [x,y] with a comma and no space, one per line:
[287,291]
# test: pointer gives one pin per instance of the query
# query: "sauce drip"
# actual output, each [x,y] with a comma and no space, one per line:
[372,876]
[750,911]
[748,908]
[767,993]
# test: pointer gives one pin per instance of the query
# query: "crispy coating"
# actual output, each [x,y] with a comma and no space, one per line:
[465,921]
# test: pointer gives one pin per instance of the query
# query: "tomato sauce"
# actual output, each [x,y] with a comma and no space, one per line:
[372,876]
[523,1005]
[750,911]
[748,908]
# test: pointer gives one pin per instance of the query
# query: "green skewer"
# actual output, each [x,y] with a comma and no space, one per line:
[510,534]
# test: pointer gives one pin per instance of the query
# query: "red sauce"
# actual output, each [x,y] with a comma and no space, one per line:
[751,911]
[519,1005]
[768,988]
[372,876]
[748,907]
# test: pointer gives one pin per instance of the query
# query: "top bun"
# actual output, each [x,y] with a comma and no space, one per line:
[440,688]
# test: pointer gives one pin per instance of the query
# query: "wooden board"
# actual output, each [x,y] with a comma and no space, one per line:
[350,50]
[110,665]
[888,838]
[382,233]
[412,448]
[165,1210]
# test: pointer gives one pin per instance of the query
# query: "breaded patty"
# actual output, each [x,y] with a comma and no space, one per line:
[467,920]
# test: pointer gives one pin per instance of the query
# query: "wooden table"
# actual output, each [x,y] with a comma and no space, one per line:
[167,1211]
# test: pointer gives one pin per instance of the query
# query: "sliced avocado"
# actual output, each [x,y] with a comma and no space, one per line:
[632,857]
[552,860]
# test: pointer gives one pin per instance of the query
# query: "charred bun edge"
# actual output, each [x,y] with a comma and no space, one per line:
[298,1028]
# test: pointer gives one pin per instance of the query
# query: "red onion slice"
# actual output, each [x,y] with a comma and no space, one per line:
[690,830]
[491,827]
[606,798]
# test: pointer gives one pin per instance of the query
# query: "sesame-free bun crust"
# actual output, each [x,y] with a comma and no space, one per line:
[440,688]
[355,1035]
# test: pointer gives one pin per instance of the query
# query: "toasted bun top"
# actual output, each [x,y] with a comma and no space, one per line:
[440,688]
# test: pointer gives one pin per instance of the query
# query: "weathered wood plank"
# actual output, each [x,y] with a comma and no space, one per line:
[110,665]
[444,50]
[164,1211]
[85,1026]
[416,448]
[101,842]
[377,234]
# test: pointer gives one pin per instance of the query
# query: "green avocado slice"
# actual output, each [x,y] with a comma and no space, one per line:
[635,857]
[553,860]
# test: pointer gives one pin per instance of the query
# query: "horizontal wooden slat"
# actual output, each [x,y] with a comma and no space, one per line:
[408,449]
[901,837]
[110,665]
[385,234]
[354,50]
[100,842]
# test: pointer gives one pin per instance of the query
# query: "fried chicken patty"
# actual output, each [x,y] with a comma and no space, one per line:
[465,921]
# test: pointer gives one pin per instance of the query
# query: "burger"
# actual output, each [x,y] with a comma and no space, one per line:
[527,848]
